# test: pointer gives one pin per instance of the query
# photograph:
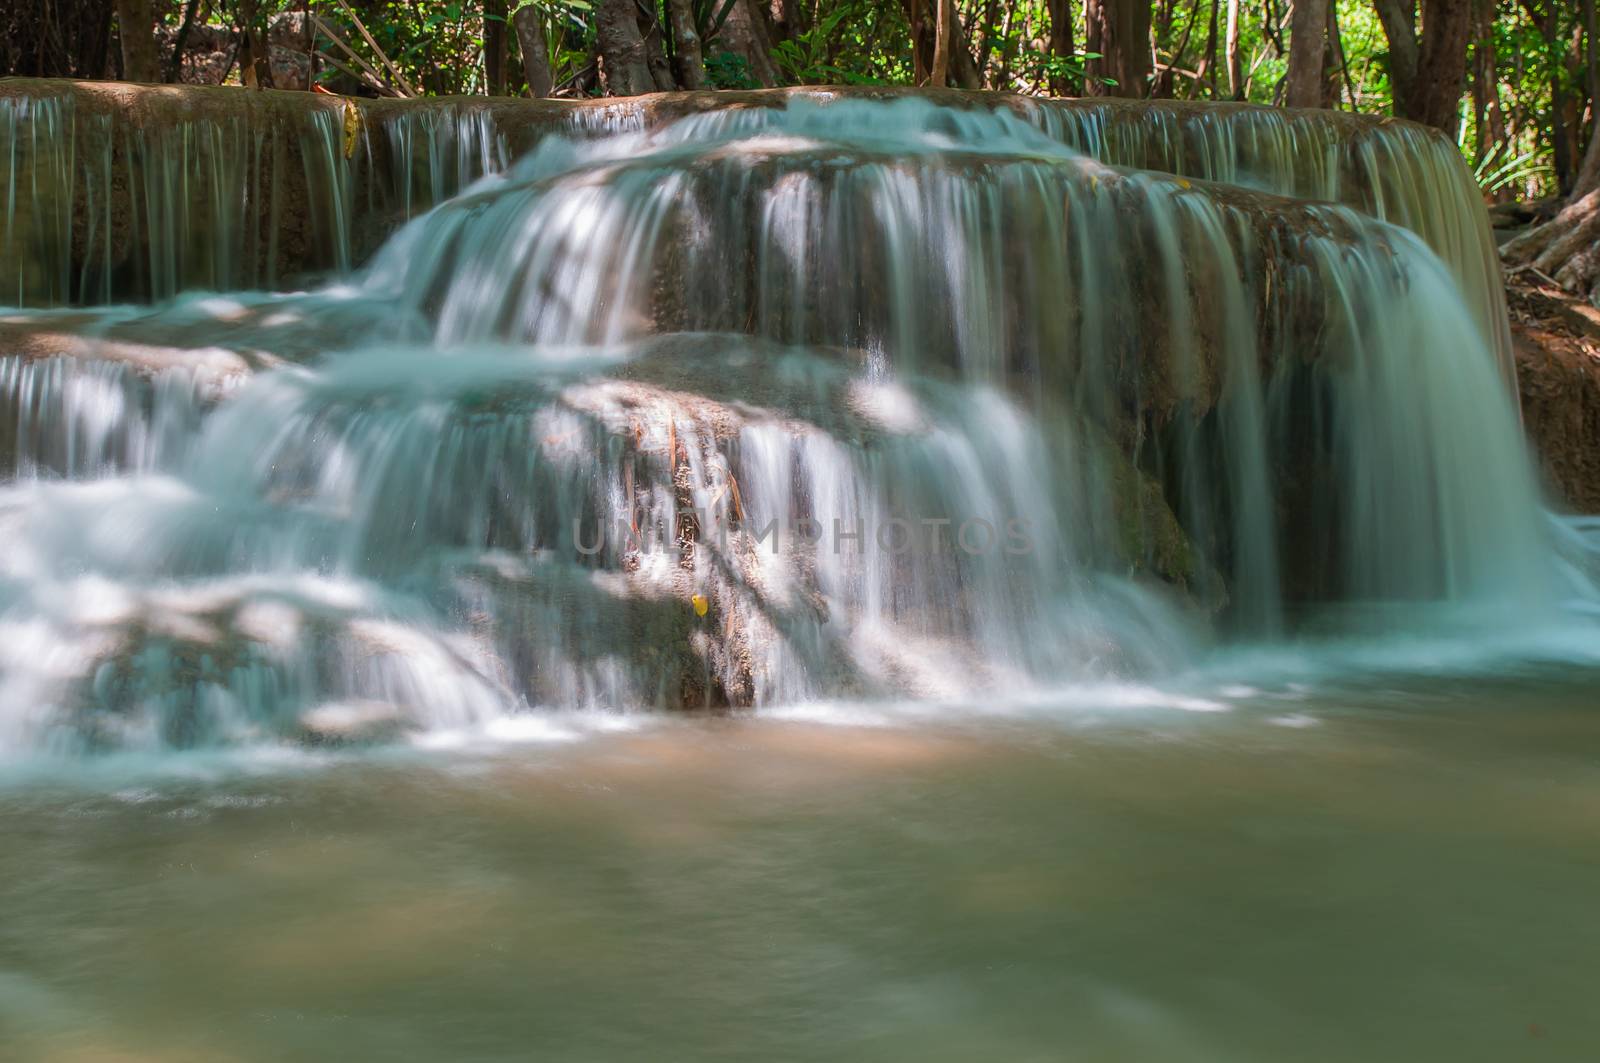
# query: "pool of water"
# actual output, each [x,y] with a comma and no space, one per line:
[1396,870]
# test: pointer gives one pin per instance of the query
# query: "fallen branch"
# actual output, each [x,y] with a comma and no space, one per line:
[377,80]
[363,77]
[1529,267]
[387,62]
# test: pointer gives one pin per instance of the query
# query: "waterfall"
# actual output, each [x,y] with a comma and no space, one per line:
[806,398]
[282,185]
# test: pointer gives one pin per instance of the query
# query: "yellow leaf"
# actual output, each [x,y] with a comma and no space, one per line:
[700,604]
[352,128]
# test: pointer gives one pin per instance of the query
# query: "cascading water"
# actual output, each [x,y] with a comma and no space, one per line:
[844,399]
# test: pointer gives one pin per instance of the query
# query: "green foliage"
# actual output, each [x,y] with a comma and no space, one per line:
[724,70]
[1508,132]
[1498,170]
[806,59]
[568,29]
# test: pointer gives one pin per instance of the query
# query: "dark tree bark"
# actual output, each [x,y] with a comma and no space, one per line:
[494,47]
[1061,44]
[943,17]
[962,70]
[535,52]
[687,61]
[174,72]
[136,31]
[1120,31]
[624,69]
[1487,114]
[789,19]
[1441,63]
[1163,86]
[746,34]
[1546,16]
[1211,53]
[1161,18]
[254,70]
[54,40]
[1427,69]
[1588,179]
[1335,69]
[1308,27]
[1589,173]
[655,51]
[1591,76]
[921,60]
[1235,65]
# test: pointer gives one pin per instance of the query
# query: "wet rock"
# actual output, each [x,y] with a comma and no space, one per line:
[1558,374]
[352,723]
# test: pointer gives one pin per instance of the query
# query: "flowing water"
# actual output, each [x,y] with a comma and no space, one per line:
[863,578]
[1404,871]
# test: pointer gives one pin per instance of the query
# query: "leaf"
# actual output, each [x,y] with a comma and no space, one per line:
[352,128]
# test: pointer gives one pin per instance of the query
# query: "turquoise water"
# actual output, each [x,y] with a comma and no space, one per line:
[1400,870]
[323,738]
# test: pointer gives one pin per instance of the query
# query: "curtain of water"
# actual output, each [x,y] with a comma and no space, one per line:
[863,399]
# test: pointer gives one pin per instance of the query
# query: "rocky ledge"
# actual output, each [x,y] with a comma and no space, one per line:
[1557,341]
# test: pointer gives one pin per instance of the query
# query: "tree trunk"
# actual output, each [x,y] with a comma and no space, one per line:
[535,52]
[961,70]
[1589,173]
[1308,26]
[1335,72]
[1591,60]
[136,29]
[745,34]
[1588,179]
[1489,119]
[788,19]
[174,73]
[655,49]
[915,10]
[494,47]
[624,70]
[1442,63]
[686,58]
[941,43]
[1211,52]
[1399,19]
[1120,31]
[1061,44]
[254,69]
[1427,70]
[1560,143]
[1235,64]
[1161,41]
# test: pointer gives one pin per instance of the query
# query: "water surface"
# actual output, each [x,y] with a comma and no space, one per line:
[1395,870]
